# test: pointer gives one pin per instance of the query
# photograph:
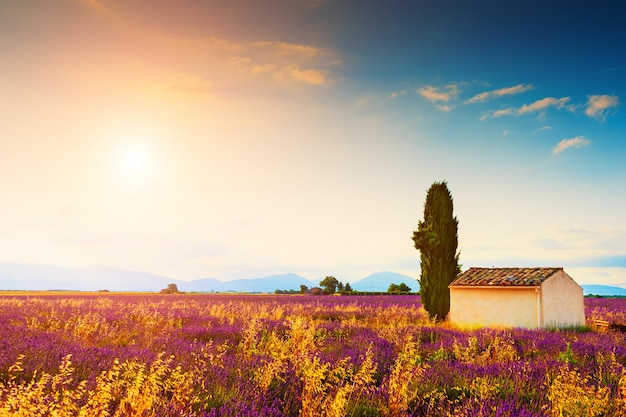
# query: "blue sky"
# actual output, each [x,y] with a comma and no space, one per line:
[204,139]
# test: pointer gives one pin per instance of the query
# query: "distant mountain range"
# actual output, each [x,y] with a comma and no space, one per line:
[15,276]
[380,281]
[604,290]
[38,277]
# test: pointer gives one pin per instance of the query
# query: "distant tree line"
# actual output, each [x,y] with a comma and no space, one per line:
[331,285]
[401,288]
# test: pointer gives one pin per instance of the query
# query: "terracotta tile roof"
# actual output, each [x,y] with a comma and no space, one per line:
[503,277]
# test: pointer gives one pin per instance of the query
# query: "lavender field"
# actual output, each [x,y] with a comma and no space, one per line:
[267,355]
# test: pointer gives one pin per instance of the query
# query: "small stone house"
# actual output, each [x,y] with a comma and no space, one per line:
[316,291]
[516,297]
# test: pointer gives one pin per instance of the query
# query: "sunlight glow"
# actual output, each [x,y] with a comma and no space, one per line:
[134,161]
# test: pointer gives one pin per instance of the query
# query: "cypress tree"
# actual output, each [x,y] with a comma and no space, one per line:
[436,238]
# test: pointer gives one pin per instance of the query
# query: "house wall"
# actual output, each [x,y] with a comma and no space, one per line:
[498,307]
[562,302]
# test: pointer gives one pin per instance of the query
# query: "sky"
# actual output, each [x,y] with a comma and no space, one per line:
[241,139]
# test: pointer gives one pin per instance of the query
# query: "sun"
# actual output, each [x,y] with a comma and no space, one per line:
[134,162]
[134,156]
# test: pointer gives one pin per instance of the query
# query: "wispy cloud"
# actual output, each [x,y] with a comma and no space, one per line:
[503,112]
[365,100]
[498,113]
[537,106]
[397,94]
[262,69]
[189,84]
[543,104]
[542,128]
[284,48]
[484,96]
[598,105]
[577,142]
[175,85]
[434,94]
[596,242]
[307,76]
[290,62]
[445,108]
[282,61]
[226,59]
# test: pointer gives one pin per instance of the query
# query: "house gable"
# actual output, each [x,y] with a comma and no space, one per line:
[562,302]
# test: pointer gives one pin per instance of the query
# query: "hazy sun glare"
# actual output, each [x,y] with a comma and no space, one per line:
[134,161]
[134,157]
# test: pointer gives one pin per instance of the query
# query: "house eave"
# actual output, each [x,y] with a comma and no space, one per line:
[497,287]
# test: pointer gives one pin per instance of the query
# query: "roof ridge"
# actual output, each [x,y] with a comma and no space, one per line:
[505,276]
[515,267]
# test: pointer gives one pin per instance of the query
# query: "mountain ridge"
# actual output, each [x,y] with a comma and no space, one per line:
[41,277]
[603,290]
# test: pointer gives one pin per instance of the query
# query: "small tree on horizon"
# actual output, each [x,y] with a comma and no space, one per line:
[399,288]
[436,238]
[329,284]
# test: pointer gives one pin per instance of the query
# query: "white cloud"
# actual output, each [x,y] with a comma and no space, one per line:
[597,105]
[577,142]
[537,106]
[289,63]
[307,76]
[434,94]
[543,104]
[587,246]
[503,112]
[288,49]
[542,128]
[445,107]
[598,275]
[396,94]
[366,100]
[481,97]
[262,69]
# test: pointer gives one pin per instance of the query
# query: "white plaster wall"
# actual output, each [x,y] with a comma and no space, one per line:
[498,307]
[562,302]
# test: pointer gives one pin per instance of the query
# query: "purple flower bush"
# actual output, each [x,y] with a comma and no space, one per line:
[280,355]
